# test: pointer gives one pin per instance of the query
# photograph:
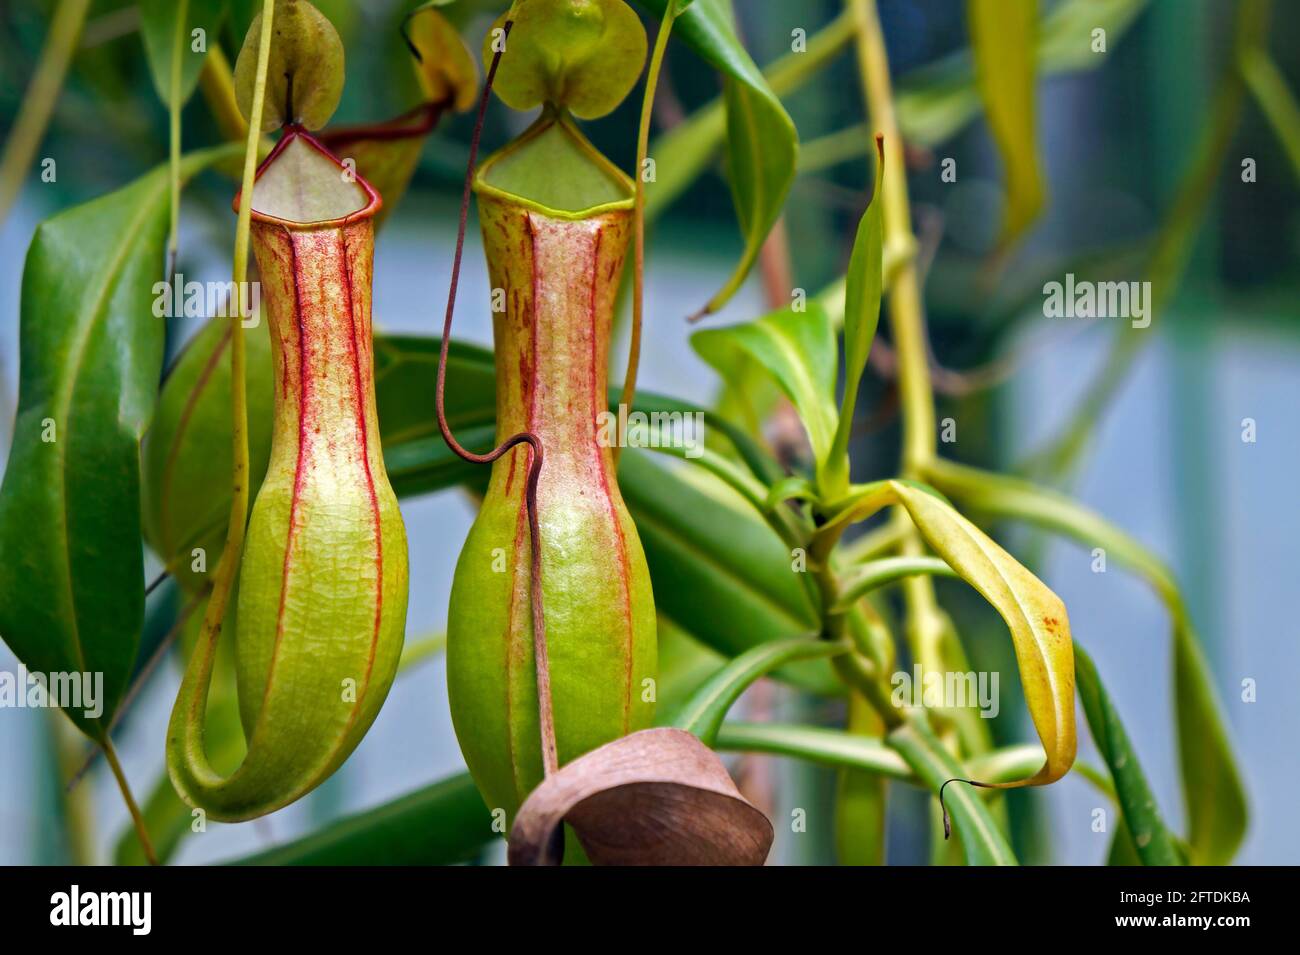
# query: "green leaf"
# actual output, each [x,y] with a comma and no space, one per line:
[719,571]
[706,710]
[438,825]
[1155,844]
[839,749]
[861,314]
[798,351]
[877,573]
[1003,34]
[187,450]
[685,664]
[72,577]
[169,25]
[981,839]
[762,142]
[1212,787]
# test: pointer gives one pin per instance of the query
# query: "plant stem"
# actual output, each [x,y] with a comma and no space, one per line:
[905,301]
[224,576]
[174,136]
[925,627]
[638,209]
[136,819]
[38,103]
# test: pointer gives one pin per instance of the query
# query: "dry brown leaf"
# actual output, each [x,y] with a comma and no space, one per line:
[657,797]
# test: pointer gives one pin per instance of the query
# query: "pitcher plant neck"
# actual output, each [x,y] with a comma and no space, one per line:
[555,284]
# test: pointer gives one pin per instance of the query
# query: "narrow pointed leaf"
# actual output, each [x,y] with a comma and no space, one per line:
[762,144]
[1036,617]
[861,314]
[1003,38]
[705,711]
[1155,844]
[1212,786]
[198,23]
[981,839]
[798,351]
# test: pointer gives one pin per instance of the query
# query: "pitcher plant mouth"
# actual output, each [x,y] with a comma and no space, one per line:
[279,196]
[552,168]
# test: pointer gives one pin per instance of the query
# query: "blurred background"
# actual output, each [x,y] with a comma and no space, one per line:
[1164,459]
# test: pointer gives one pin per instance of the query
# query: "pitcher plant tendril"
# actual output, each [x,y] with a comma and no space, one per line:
[546,717]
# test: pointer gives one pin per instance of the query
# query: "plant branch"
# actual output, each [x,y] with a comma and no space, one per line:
[925,623]
[137,820]
[224,575]
[174,138]
[638,210]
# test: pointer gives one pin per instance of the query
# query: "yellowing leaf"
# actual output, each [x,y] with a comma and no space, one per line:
[445,66]
[1003,38]
[1040,629]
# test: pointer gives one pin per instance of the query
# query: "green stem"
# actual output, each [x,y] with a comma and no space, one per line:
[638,212]
[223,577]
[174,136]
[38,103]
[887,570]
[925,624]
[137,820]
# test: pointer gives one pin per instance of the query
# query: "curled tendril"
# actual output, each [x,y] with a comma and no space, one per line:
[550,761]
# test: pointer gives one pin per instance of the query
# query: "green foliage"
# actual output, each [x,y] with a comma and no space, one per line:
[1154,843]
[751,573]
[72,597]
[797,349]
[171,31]
[762,143]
